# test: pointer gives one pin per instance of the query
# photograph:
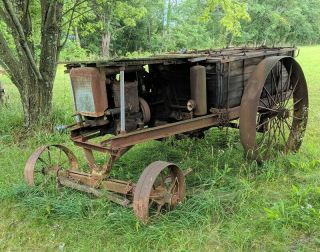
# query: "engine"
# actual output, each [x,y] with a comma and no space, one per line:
[154,95]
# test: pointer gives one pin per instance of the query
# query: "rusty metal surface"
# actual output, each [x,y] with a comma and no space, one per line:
[145,109]
[88,154]
[131,94]
[96,192]
[118,186]
[282,122]
[88,179]
[90,146]
[169,129]
[153,188]
[198,88]
[42,157]
[89,90]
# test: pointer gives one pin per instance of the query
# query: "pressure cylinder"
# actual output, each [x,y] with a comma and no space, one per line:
[198,87]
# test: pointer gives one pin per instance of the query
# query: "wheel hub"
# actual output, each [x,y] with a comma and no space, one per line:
[283,113]
[162,196]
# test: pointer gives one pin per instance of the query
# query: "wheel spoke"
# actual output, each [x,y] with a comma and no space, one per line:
[64,162]
[270,109]
[268,134]
[282,130]
[288,80]
[42,161]
[270,96]
[173,185]
[261,100]
[49,156]
[159,208]
[262,124]
[292,91]
[281,84]
[59,156]
[275,81]
[162,179]
[296,103]
[274,135]
[288,124]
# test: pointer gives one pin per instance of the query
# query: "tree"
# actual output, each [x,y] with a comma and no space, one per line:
[166,25]
[274,23]
[109,18]
[31,37]
[233,12]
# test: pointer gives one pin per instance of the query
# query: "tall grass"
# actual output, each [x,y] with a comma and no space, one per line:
[231,205]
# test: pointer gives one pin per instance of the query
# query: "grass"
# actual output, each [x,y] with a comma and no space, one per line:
[231,205]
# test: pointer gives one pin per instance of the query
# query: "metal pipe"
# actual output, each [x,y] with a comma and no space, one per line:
[122,104]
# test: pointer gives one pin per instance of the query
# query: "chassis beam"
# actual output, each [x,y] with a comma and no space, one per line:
[130,139]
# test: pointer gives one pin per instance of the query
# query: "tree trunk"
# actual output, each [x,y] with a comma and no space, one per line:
[36,103]
[36,95]
[36,98]
[105,45]
[78,41]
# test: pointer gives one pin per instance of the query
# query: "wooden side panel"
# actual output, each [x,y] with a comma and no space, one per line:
[235,76]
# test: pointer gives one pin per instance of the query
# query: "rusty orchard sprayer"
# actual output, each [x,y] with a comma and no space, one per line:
[260,91]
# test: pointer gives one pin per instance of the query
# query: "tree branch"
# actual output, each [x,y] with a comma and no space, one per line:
[6,19]
[69,26]
[77,3]
[50,33]
[9,60]
[47,12]
[75,17]
[23,39]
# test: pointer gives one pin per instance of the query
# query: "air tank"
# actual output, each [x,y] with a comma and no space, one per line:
[198,87]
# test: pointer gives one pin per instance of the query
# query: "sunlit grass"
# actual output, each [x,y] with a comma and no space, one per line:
[231,204]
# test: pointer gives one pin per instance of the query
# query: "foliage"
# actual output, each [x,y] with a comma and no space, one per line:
[72,52]
[109,17]
[171,25]
[285,22]
[234,12]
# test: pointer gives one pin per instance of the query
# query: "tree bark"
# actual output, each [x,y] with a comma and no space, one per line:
[105,45]
[36,102]
[78,41]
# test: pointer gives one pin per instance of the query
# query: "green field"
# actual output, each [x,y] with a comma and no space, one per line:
[231,205]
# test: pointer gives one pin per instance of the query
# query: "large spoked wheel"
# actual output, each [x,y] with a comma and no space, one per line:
[46,162]
[274,109]
[160,188]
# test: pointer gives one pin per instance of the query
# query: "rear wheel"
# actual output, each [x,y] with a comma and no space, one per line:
[274,109]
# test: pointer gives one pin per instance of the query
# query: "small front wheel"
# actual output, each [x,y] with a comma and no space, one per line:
[46,162]
[161,187]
